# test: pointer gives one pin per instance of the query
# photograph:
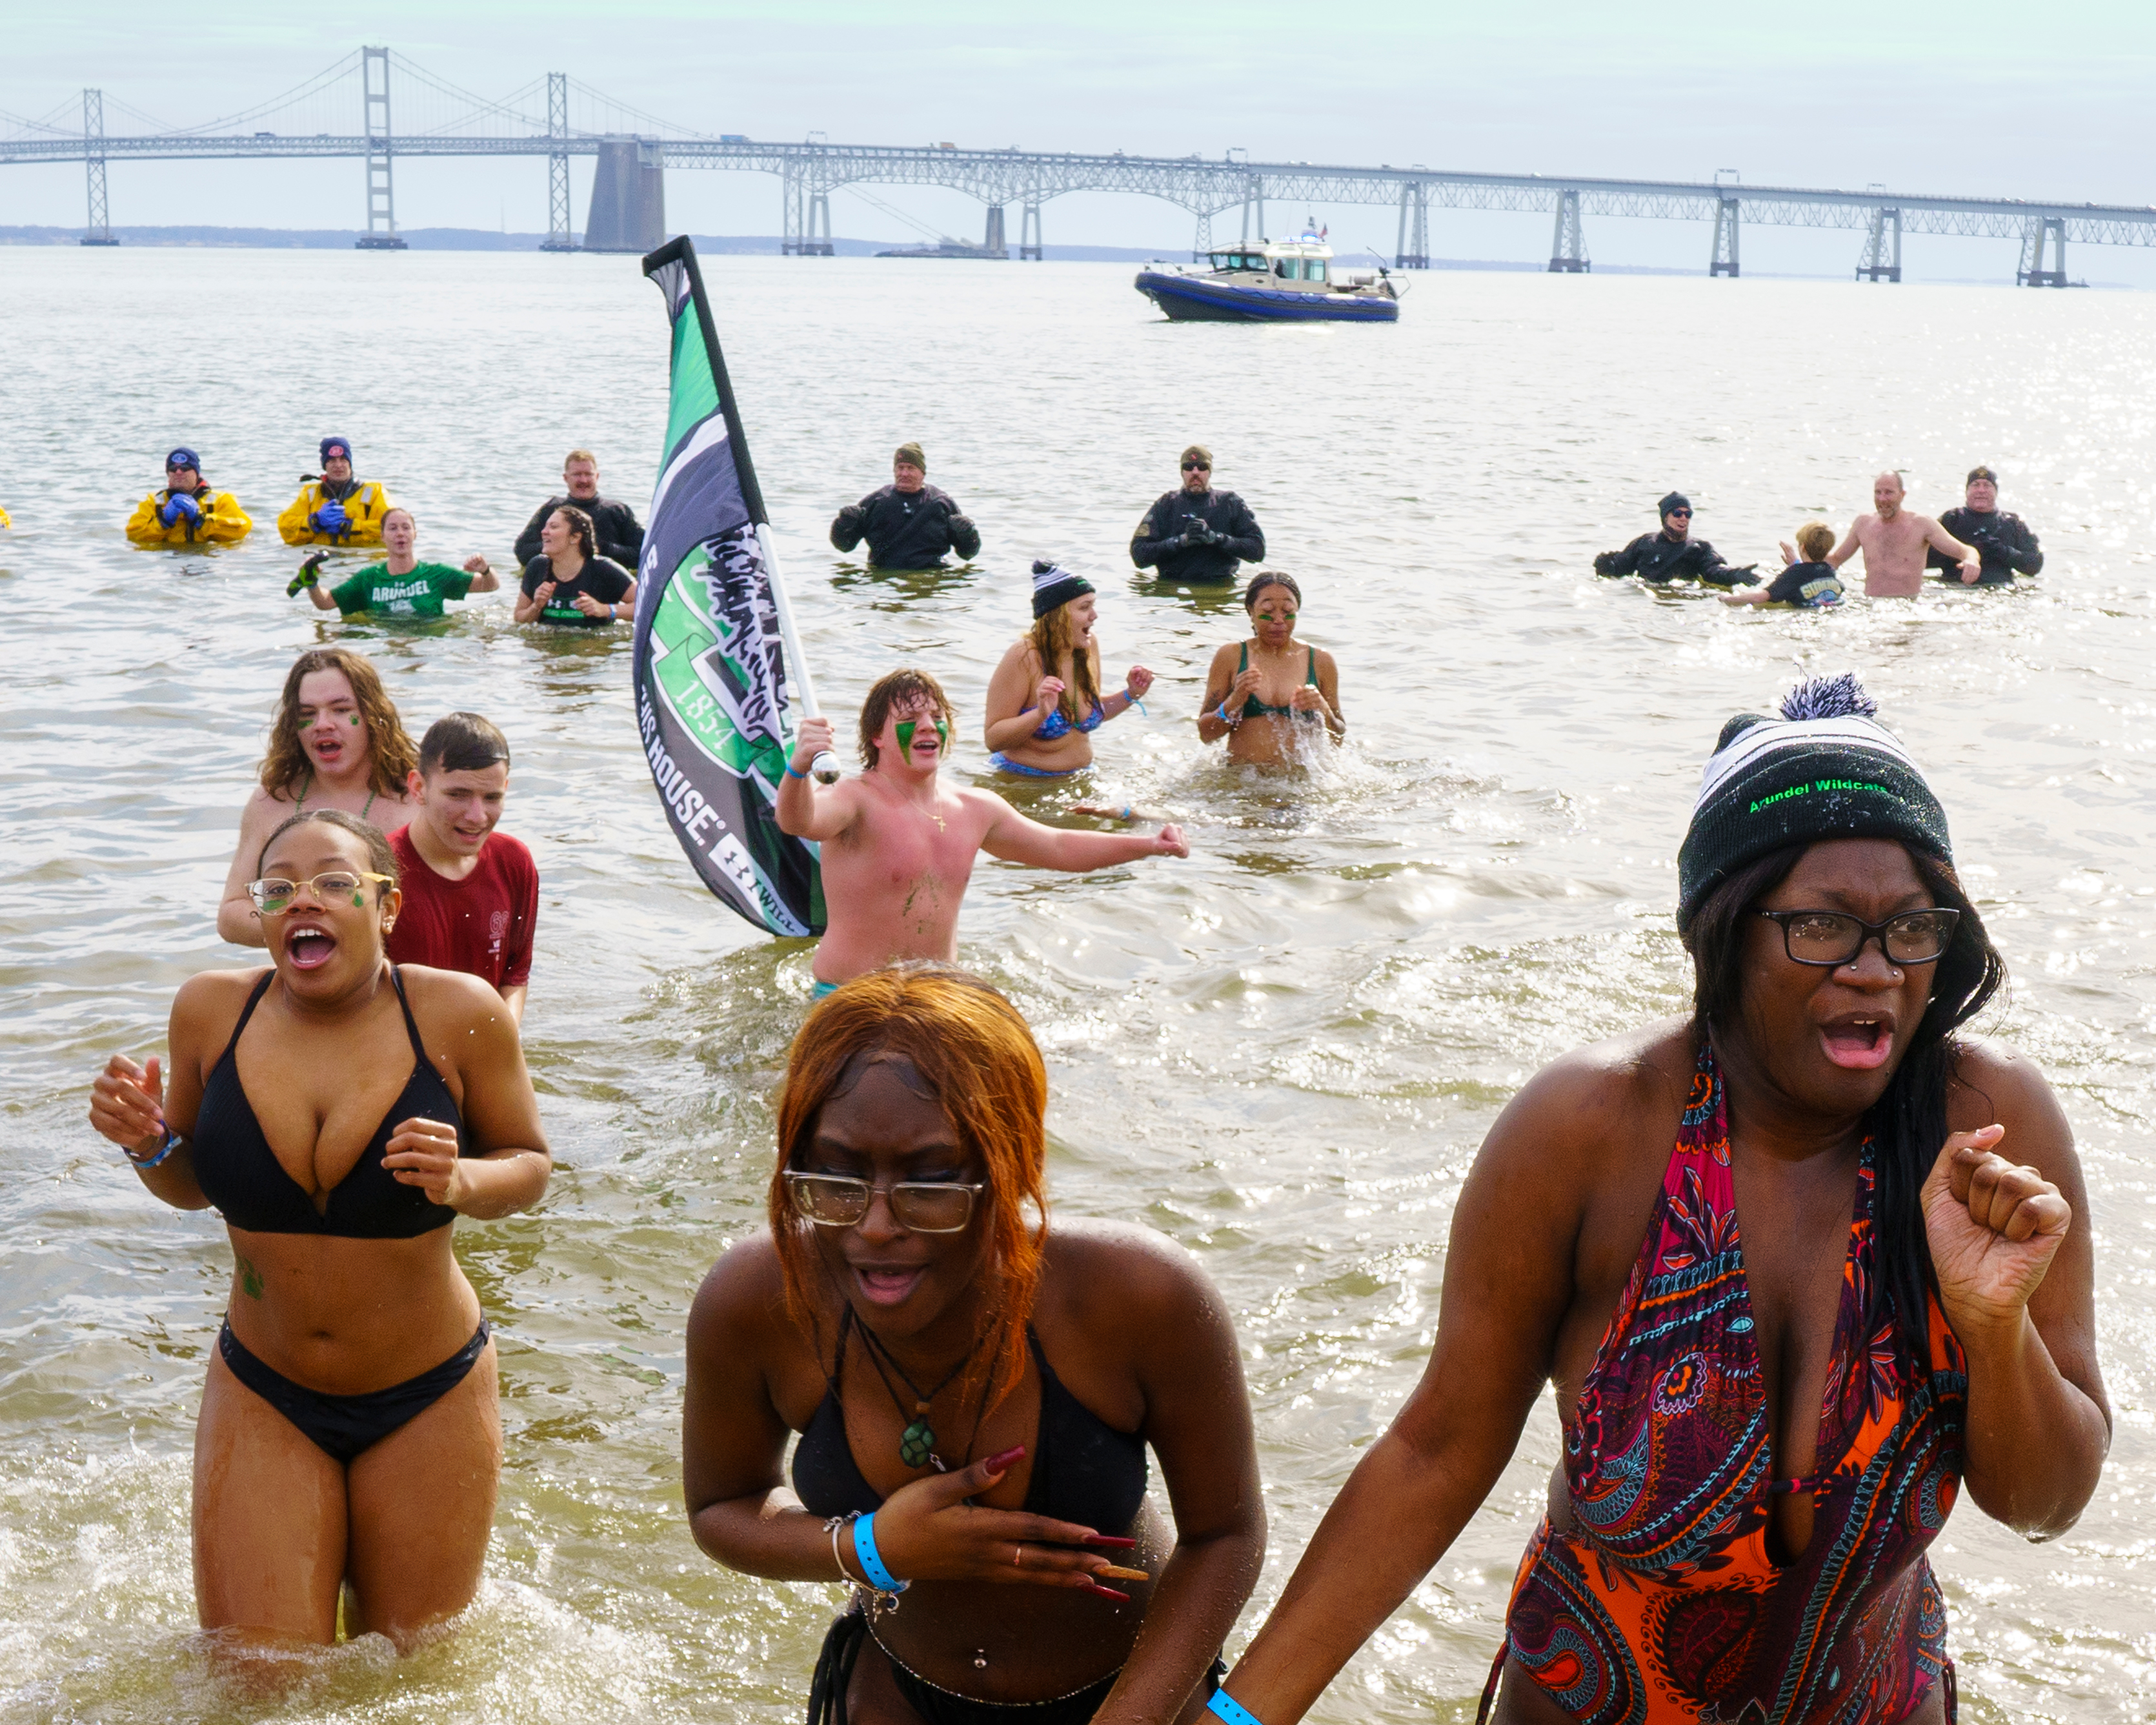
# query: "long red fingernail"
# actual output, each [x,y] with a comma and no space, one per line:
[1109,1539]
[1108,1592]
[998,1464]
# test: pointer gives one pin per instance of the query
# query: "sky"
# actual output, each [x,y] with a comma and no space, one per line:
[1977,98]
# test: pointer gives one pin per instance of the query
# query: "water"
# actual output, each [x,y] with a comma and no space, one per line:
[1282,1052]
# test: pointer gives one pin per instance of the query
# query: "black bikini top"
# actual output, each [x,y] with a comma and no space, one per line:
[1084,1470]
[240,1174]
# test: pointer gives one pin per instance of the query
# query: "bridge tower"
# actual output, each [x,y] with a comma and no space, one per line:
[1724,260]
[381,235]
[99,231]
[1254,210]
[808,214]
[1413,251]
[1568,245]
[1882,248]
[1029,230]
[2043,230]
[560,237]
[992,231]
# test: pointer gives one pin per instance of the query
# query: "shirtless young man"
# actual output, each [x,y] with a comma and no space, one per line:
[899,844]
[1894,540]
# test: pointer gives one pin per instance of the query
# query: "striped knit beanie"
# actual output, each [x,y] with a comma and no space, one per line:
[1826,769]
[1054,586]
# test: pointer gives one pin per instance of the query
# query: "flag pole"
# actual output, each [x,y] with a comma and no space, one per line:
[825,766]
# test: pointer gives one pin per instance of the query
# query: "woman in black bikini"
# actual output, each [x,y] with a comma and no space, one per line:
[341,1114]
[1266,695]
[975,1393]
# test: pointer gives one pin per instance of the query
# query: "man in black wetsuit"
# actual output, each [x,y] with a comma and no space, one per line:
[620,535]
[2003,542]
[1673,553]
[1198,533]
[909,523]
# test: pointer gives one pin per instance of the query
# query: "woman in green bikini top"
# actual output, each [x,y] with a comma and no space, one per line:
[1267,694]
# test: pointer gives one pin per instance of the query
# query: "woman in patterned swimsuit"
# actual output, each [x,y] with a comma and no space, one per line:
[1765,1424]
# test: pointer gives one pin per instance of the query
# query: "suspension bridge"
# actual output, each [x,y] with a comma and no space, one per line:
[346,110]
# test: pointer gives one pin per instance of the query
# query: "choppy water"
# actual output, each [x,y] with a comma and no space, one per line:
[1282,1052]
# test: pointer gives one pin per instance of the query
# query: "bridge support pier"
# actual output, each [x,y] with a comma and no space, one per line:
[1254,211]
[560,237]
[1882,248]
[1029,231]
[1568,246]
[808,216]
[2043,229]
[628,198]
[99,229]
[1413,251]
[1201,243]
[1724,260]
[381,235]
[992,231]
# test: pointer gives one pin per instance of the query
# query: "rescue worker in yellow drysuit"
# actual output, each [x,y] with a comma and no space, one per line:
[336,508]
[187,511]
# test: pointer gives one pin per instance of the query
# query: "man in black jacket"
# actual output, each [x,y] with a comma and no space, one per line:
[620,535]
[1198,533]
[1673,553]
[909,523]
[2003,542]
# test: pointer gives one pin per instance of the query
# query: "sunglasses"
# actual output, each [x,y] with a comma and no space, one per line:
[273,897]
[918,1206]
[1685,513]
[1196,467]
[1833,938]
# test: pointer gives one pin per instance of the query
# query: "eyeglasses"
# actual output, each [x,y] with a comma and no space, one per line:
[273,897]
[1685,513]
[919,1206]
[1831,938]
[1196,467]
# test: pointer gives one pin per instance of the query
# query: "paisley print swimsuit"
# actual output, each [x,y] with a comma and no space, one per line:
[1667,1602]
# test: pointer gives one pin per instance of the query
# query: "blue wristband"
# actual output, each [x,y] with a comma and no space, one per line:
[791,773]
[172,1142]
[1225,1706]
[865,1547]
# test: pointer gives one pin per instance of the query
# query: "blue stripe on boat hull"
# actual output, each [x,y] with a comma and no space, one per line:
[1193,299]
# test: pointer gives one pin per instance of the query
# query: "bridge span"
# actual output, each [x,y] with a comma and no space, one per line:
[627,212]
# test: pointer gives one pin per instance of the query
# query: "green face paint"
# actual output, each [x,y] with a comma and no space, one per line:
[906,727]
[355,721]
[359,900]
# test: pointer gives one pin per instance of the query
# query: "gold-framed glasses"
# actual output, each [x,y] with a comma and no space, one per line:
[918,1206]
[274,897]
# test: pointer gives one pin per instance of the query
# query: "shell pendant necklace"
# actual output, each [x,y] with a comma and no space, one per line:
[916,1444]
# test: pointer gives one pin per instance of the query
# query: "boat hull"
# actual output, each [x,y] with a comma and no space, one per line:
[1193,299]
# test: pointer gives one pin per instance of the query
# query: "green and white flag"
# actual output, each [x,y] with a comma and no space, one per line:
[718,675]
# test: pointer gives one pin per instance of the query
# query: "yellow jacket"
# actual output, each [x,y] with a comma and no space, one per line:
[365,507]
[223,522]
[4,522]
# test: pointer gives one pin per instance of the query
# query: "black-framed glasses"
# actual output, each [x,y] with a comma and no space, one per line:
[1196,467]
[919,1206]
[1834,937]
[1674,513]
[273,896]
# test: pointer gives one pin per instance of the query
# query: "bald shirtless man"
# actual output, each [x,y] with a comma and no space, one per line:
[1894,540]
[899,844]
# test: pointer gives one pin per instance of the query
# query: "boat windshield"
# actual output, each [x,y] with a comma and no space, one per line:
[1237,260]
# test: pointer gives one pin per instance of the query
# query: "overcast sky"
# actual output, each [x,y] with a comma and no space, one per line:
[2043,101]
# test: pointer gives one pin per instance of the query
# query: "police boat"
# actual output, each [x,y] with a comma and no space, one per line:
[1291,281]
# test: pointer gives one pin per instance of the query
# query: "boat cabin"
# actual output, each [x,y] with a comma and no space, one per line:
[1305,259]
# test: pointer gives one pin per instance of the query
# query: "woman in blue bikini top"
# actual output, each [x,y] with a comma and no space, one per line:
[1044,699]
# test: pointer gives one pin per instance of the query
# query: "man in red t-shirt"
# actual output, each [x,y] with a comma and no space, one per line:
[471,894]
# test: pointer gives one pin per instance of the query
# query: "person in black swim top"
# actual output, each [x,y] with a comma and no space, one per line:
[975,1389]
[1196,533]
[2004,545]
[1045,700]
[1673,553]
[908,523]
[341,1114]
[570,583]
[1268,695]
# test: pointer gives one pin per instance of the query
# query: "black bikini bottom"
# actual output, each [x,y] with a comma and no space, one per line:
[342,1426]
[842,1647]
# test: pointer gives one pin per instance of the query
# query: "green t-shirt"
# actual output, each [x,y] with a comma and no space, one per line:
[417,594]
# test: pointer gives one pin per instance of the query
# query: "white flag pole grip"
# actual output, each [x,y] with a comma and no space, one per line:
[825,766]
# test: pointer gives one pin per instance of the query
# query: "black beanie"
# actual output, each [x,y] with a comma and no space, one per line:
[1826,769]
[1675,499]
[1053,587]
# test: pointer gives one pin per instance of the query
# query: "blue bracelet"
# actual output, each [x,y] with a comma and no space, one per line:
[1133,701]
[172,1142]
[791,773]
[865,1547]
[1225,1706]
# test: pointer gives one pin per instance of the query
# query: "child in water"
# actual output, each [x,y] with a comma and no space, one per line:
[1809,581]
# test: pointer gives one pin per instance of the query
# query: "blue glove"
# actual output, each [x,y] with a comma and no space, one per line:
[186,506]
[330,518]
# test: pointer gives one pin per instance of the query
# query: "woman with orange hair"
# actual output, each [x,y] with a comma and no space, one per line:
[902,1315]
[336,743]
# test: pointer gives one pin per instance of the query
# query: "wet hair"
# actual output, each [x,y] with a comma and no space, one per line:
[580,524]
[1815,539]
[391,756]
[462,743]
[971,1054]
[380,857]
[1270,577]
[1052,637]
[895,688]
[1909,1123]
[579,455]
[399,509]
